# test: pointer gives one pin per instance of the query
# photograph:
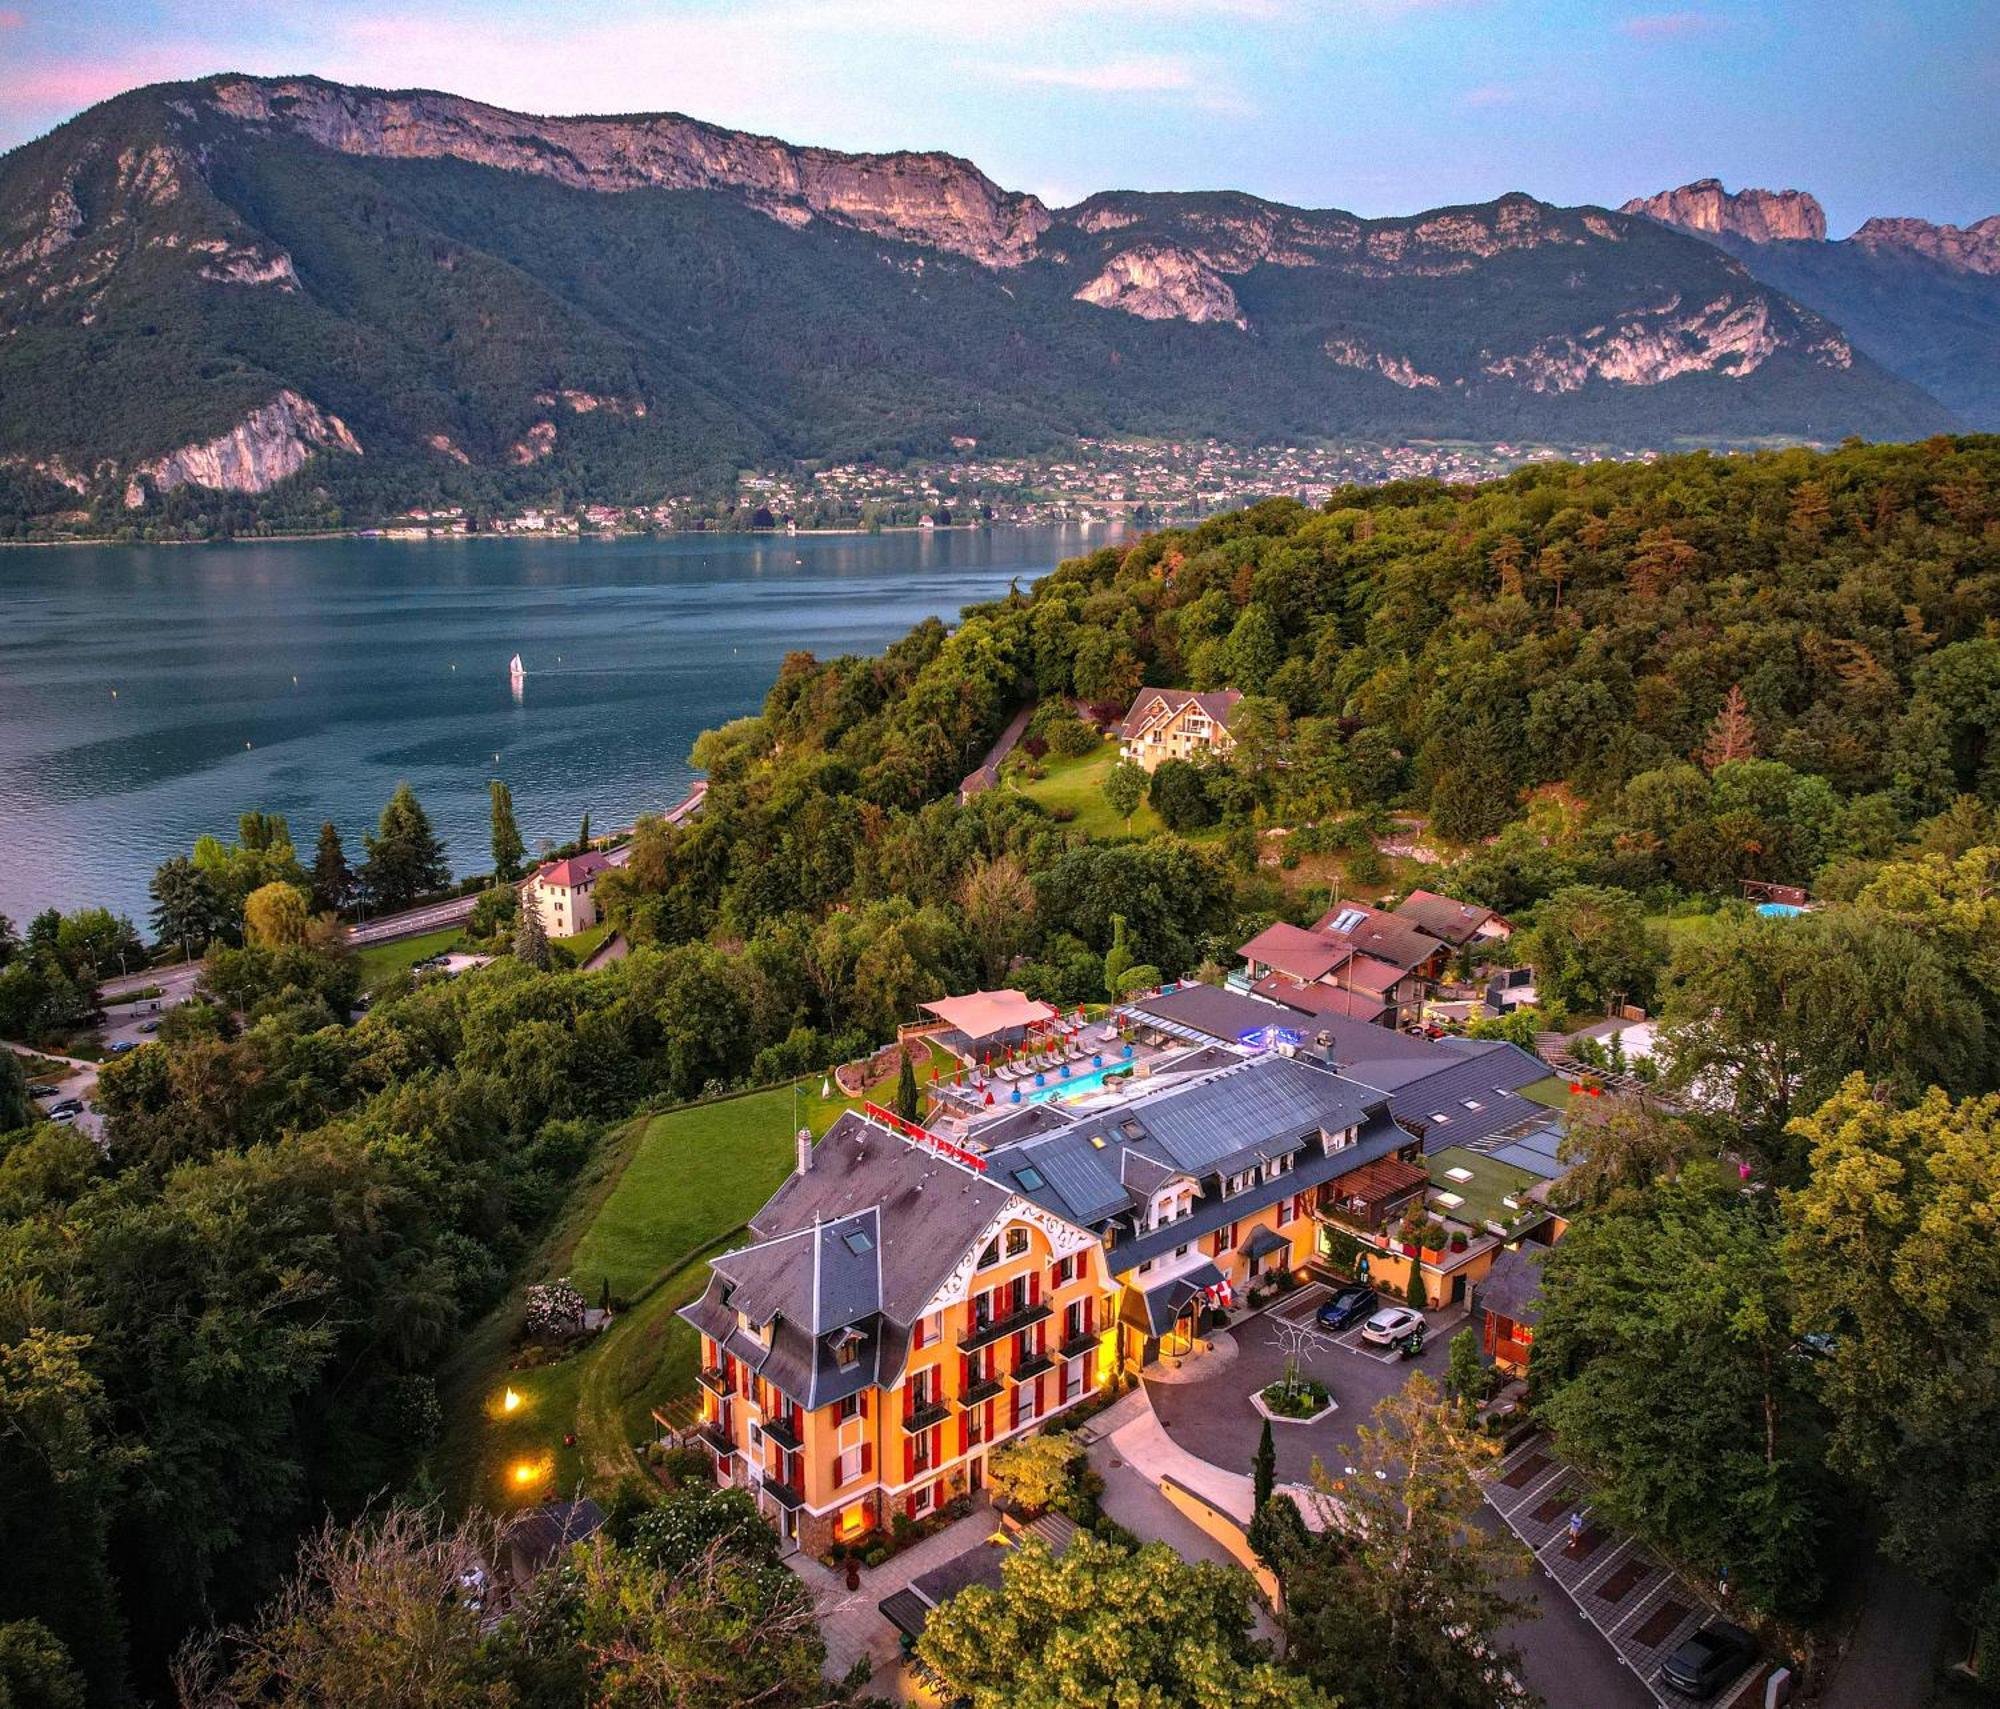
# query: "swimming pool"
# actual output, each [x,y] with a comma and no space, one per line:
[1779,910]
[1074,1087]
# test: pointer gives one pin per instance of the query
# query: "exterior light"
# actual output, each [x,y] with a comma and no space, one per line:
[527,1473]
[510,1401]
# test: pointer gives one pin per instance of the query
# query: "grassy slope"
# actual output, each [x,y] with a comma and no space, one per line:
[380,963]
[664,1192]
[1078,784]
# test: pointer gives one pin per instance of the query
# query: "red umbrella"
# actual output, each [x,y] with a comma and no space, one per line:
[989,1097]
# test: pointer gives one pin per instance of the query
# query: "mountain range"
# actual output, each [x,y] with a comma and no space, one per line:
[296,292]
[1922,299]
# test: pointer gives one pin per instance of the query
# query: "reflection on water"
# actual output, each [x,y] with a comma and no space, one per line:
[150,694]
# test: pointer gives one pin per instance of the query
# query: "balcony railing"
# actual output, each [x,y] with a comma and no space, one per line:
[1031,1367]
[715,1381]
[716,1439]
[981,1390]
[1081,1342]
[783,1494]
[923,1417]
[997,1328]
[780,1431]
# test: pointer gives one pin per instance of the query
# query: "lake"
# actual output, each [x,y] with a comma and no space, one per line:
[150,694]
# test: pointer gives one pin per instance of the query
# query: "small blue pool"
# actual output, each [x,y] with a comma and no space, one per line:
[1779,910]
[1074,1087]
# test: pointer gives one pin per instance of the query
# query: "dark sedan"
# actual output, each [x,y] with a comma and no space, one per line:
[1347,1308]
[1709,1660]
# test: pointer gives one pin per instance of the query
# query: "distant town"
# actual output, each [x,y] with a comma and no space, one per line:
[1143,481]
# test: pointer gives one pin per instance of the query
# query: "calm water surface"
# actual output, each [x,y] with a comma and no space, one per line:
[309,677]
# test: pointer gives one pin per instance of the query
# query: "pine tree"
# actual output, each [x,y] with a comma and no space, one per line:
[1732,736]
[531,941]
[507,845]
[332,878]
[906,1090]
[405,858]
[1263,1470]
[1417,1295]
[583,833]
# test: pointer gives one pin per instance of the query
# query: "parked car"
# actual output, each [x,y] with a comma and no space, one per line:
[120,1047]
[1391,1324]
[1709,1660]
[149,1027]
[1347,1308]
[41,1091]
[68,1107]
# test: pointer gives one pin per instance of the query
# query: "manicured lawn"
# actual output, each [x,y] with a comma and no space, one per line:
[586,941]
[1078,784]
[380,963]
[1674,927]
[664,1192]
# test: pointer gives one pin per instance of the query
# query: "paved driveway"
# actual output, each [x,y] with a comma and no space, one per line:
[1563,1656]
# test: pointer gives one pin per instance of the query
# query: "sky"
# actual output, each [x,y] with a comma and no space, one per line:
[1376,106]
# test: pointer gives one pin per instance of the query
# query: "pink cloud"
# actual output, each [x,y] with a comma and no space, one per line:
[11,19]
[1667,26]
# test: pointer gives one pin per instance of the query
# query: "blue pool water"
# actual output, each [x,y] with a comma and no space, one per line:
[1779,910]
[1075,1086]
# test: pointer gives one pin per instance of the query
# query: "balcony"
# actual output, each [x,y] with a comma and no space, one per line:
[783,1494]
[716,1439]
[1000,1327]
[923,1417]
[1081,1342]
[982,1390]
[1032,1367]
[716,1382]
[780,1431]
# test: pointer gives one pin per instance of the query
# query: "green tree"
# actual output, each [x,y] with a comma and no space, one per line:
[332,884]
[908,1100]
[507,845]
[1465,1375]
[190,908]
[1179,795]
[1417,1293]
[583,831]
[1888,1243]
[1663,1359]
[497,910]
[1037,1472]
[531,940]
[1101,1625]
[1766,1017]
[405,859]
[1395,1602]
[1117,959]
[1590,947]
[1124,789]
[275,917]
[1263,1470]
[35,1669]
[17,1109]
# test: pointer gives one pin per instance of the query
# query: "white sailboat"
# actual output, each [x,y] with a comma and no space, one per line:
[515,668]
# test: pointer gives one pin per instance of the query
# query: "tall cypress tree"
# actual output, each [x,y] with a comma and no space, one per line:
[332,878]
[1263,1470]
[507,845]
[906,1090]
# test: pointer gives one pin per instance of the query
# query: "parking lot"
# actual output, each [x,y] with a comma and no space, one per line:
[1644,1611]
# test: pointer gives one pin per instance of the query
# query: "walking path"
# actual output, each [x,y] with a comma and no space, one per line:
[1892,1656]
[988,774]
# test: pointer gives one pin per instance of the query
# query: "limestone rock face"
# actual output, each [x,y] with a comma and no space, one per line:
[1972,248]
[1727,336]
[1761,216]
[936,199]
[261,450]
[1161,281]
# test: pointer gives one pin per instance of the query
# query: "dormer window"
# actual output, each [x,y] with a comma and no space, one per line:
[846,1347]
[1017,1242]
[989,1254]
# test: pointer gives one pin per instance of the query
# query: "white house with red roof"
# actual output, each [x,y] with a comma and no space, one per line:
[564,893]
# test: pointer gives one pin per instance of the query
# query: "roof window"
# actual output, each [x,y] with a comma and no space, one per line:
[857,1242]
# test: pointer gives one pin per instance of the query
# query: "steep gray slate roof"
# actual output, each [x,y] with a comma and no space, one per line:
[861,1240]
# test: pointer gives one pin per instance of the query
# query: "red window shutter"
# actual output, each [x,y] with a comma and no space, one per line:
[971,1315]
[909,1457]
[1040,1395]
[963,1442]
[937,1493]
[1014,1406]
[1034,1287]
[917,1336]
[987,1433]
[867,1458]
[910,1504]
[1090,1315]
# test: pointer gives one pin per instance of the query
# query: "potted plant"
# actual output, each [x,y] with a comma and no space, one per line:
[1458,1240]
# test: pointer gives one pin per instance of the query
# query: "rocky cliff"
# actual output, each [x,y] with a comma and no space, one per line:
[1973,248]
[1161,281]
[266,446]
[1760,216]
[935,199]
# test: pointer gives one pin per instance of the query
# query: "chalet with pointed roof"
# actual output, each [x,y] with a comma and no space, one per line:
[1178,724]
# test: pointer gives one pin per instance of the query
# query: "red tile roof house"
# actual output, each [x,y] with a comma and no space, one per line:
[1326,973]
[564,893]
[1177,724]
[1451,921]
